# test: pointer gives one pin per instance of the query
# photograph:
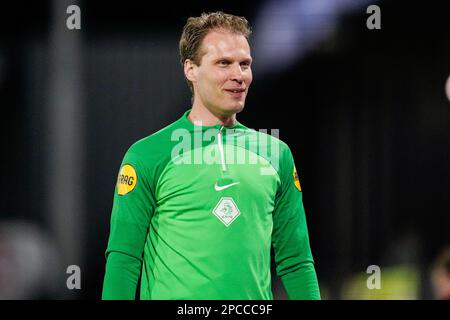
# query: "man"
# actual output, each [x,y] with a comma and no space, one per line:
[440,275]
[190,222]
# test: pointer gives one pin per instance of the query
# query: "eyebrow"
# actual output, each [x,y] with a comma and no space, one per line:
[231,59]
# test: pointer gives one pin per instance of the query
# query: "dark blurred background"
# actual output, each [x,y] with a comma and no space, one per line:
[364,112]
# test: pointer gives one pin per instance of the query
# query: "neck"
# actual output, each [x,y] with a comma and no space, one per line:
[202,114]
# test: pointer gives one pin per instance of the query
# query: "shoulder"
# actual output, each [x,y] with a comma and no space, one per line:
[149,155]
[154,145]
[268,143]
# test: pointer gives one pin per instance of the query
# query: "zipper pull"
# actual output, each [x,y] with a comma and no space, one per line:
[220,144]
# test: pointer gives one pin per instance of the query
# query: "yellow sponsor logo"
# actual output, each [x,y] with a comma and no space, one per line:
[127,179]
[296,180]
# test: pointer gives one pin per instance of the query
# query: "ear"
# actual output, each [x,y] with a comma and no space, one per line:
[190,70]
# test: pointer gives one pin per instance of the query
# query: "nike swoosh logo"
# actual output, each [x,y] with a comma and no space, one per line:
[220,188]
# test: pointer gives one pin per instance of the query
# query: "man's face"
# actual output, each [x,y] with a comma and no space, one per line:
[222,79]
[441,284]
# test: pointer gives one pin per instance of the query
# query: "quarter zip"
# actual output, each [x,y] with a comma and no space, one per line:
[220,144]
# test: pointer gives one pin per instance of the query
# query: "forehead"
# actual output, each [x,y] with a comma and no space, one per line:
[219,43]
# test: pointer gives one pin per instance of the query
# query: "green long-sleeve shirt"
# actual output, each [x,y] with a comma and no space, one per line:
[196,210]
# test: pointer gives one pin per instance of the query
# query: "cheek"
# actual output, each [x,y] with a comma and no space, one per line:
[249,78]
[207,84]
[222,78]
[214,80]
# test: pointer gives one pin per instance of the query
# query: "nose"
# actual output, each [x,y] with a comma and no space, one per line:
[237,74]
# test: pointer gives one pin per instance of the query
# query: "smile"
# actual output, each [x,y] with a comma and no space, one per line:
[236,91]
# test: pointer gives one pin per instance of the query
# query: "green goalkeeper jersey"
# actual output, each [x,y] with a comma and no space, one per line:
[196,210]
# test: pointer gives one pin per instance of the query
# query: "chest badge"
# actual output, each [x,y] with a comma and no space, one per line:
[226,210]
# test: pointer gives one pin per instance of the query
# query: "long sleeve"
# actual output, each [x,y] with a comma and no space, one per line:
[293,257]
[132,210]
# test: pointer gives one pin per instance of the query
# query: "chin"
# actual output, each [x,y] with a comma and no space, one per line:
[235,108]
[228,109]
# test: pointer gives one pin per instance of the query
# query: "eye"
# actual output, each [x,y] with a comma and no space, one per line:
[246,64]
[223,62]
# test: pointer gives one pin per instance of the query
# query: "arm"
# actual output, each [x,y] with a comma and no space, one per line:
[132,210]
[293,257]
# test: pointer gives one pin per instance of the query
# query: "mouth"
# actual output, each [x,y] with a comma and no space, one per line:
[236,93]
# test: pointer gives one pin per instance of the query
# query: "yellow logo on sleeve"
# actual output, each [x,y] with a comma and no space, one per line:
[296,180]
[127,179]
